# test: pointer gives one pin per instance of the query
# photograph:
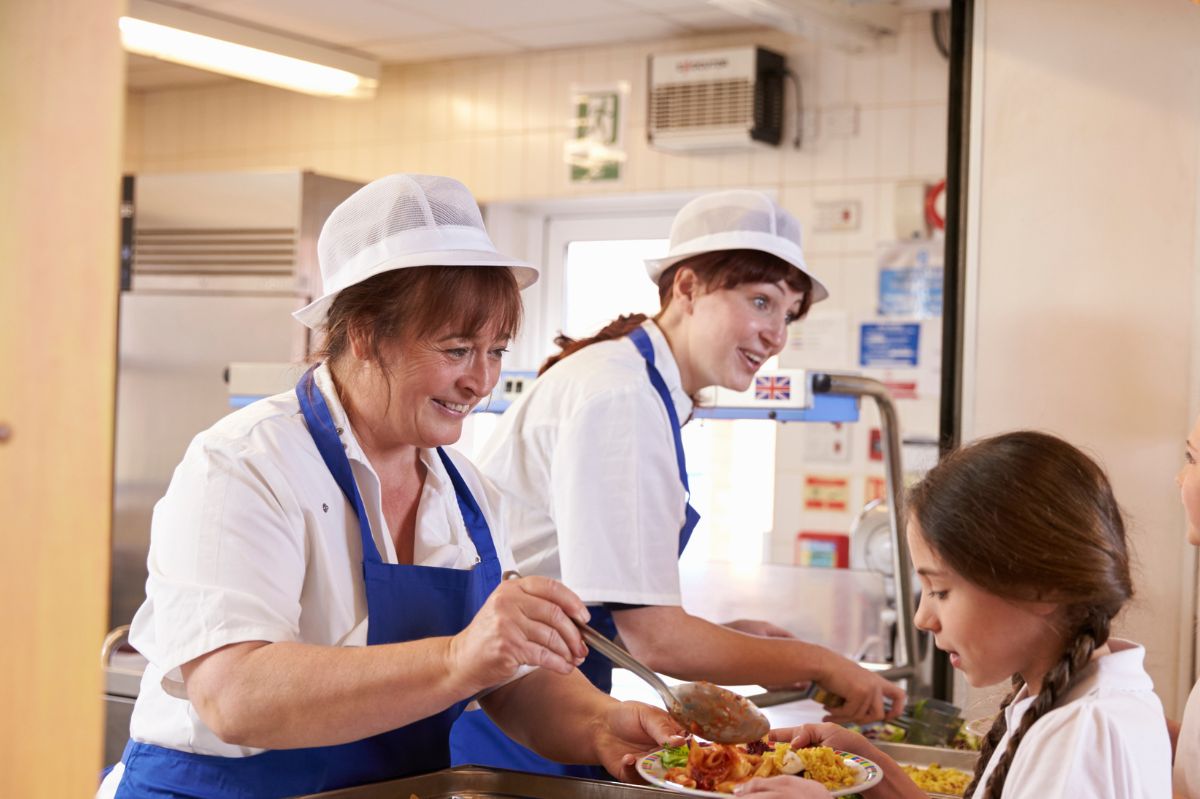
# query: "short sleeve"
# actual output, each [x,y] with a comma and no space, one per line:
[1110,751]
[617,501]
[226,560]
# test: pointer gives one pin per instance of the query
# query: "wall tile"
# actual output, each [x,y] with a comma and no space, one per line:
[512,93]
[896,61]
[862,151]
[929,141]
[895,142]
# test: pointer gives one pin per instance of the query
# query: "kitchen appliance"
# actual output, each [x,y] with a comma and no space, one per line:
[716,100]
[213,265]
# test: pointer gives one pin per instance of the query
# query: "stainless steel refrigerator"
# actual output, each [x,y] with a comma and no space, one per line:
[215,266]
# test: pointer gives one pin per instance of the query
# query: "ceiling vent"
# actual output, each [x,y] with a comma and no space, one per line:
[716,100]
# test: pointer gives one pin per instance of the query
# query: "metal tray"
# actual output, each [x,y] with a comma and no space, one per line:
[914,755]
[476,782]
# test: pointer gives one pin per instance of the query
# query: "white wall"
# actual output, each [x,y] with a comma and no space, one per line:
[1086,131]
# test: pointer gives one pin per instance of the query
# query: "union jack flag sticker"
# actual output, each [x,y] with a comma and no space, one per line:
[773,387]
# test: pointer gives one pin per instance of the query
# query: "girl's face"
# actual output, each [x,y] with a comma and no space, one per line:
[988,638]
[1188,480]
[735,330]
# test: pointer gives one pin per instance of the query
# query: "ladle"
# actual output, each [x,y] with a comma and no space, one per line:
[710,711]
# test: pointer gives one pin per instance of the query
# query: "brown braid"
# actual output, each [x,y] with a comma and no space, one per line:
[614,329]
[721,269]
[994,734]
[1055,685]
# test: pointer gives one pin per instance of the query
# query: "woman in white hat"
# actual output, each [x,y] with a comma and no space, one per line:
[325,589]
[591,463]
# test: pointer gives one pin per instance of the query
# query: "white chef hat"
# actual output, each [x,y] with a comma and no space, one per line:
[400,221]
[739,219]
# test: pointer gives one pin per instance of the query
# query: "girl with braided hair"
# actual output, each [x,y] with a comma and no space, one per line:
[1021,551]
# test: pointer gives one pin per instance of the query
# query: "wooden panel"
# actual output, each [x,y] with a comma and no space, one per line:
[59,183]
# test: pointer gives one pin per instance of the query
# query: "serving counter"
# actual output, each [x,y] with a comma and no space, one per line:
[476,782]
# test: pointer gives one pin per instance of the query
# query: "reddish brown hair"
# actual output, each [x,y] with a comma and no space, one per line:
[721,269]
[417,303]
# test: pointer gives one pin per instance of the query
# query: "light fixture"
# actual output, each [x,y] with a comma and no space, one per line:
[219,45]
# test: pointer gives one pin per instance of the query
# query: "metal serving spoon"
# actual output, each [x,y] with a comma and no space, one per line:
[707,710]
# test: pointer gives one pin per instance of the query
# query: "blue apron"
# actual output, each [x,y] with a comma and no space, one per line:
[404,603]
[475,739]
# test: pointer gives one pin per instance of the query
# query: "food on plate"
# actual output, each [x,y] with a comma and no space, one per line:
[935,779]
[719,767]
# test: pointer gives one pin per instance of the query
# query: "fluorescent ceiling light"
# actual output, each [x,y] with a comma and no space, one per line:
[219,45]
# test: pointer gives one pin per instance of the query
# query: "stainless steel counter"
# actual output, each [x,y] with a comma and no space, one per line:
[475,782]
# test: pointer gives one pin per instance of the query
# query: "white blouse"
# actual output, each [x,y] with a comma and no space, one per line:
[1107,741]
[586,462]
[254,541]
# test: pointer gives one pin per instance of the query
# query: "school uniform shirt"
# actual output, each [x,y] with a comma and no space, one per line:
[1187,749]
[586,462]
[1108,738]
[254,541]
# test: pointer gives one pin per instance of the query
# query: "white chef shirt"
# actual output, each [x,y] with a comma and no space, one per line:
[586,462]
[254,541]
[1187,749]
[1107,739]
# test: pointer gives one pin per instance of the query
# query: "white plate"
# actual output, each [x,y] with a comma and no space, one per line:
[866,775]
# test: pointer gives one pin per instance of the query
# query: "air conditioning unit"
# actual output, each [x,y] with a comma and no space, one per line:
[716,100]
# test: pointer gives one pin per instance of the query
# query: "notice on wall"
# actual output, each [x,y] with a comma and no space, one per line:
[595,151]
[889,344]
[820,341]
[827,493]
[827,442]
[875,487]
[911,278]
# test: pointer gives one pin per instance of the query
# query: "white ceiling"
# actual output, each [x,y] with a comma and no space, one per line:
[428,30]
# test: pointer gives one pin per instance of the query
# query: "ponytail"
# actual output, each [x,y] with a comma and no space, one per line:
[617,328]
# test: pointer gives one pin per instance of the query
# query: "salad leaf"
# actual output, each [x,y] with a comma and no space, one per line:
[675,756]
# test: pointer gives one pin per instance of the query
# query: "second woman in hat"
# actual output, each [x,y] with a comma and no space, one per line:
[591,463]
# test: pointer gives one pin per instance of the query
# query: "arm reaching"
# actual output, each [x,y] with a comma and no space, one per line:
[288,694]
[670,640]
[565,718]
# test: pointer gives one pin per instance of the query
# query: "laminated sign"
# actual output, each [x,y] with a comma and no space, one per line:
[595,153]
[911,278]
[826,493]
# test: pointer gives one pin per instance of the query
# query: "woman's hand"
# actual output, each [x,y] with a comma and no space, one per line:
[627,730]
[785,787]
[863,692]
[525,622]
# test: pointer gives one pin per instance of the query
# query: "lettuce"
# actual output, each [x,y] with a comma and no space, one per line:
[675,756]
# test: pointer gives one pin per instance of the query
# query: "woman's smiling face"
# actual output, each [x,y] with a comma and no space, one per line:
[736,329]
[433,385]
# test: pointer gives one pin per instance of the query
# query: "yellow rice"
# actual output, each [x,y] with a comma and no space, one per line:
[825,766]
[935,779]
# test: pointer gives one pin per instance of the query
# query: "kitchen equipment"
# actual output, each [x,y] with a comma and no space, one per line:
[213,265]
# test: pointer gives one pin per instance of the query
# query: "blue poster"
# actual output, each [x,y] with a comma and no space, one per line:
[887,345]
